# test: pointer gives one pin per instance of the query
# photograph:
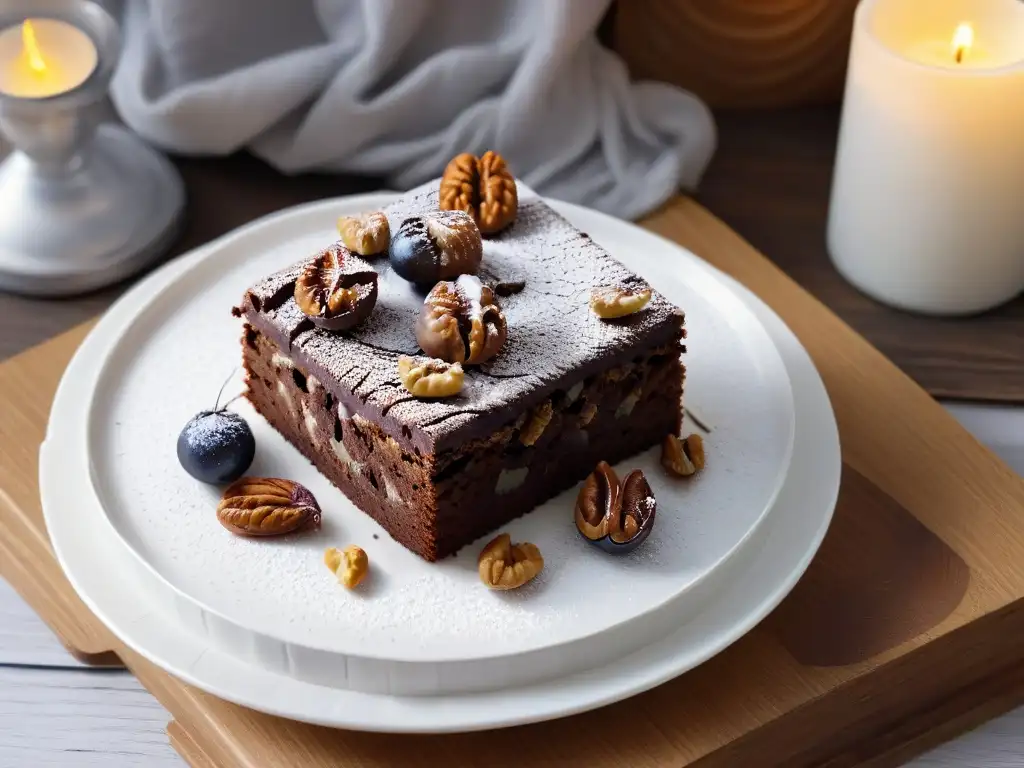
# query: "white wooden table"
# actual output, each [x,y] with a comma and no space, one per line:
[56,712]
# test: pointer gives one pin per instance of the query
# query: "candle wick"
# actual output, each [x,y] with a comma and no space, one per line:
[959,55]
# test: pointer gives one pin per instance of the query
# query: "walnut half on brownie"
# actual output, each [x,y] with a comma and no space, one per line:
[568,389]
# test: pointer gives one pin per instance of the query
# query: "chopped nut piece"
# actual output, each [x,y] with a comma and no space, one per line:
[337,290]
[616,374]
[367,234]
[461,322]
[609,303]
[267,506]
[629,402]
[682,457]
[587,414]
[504,565]
[427,377]
[510,480]
[540,417]
[616,517]
[483,187]
[350,565]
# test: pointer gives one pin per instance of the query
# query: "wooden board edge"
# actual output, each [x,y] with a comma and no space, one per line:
[187,748]
[32,570]
[963,711]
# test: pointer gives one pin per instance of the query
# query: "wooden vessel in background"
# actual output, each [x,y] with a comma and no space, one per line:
[738,53]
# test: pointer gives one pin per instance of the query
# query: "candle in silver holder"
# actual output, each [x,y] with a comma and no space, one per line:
[82,205]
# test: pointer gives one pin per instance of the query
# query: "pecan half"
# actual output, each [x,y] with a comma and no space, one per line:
[461,322]
[426,377]
[483,187]
[337,290]
[504,565]
[367,234]
[267,506]
[610,302]
[616,517]
[682,458]
[440,245]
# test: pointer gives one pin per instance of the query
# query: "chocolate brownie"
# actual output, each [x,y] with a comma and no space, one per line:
[567,390]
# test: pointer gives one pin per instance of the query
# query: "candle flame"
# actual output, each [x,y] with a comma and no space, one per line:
[963,39]
[31,47]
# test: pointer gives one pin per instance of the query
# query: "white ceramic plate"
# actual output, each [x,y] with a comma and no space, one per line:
[417,627]
[97,563]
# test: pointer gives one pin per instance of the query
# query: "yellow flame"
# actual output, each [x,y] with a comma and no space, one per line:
[963,39]
[31,47]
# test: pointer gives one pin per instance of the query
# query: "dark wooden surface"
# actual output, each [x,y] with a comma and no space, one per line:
[769,181]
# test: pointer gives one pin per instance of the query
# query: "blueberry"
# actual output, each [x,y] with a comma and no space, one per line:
[216,447]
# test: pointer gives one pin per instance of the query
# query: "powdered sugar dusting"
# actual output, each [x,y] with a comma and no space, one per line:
[212,429]
[553,337]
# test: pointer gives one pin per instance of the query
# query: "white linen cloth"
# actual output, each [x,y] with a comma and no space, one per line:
[398,87]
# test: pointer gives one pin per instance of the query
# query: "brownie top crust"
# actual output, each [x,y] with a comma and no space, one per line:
[554,340]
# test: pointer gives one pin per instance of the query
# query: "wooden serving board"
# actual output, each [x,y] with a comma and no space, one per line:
[904,632]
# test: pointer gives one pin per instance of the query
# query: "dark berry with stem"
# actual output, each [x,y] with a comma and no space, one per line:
[216,446]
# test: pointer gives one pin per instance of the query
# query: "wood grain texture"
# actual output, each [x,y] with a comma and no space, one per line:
[881,578]
[755,704]
[739,53]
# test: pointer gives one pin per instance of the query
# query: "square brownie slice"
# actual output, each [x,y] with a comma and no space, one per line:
[567,390]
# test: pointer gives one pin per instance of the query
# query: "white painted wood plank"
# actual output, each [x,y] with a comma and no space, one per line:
[24,638]
[997,744]
[999,427]
[80,718]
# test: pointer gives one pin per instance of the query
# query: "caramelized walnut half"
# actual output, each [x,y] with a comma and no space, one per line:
[368,234]
[337,290]
[483,187]
[504,565]
[610,302]
[424,377]
[682,458]
[461,322]
[617,517]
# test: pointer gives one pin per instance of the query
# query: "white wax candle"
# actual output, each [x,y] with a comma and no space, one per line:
[44,57]
[927,207]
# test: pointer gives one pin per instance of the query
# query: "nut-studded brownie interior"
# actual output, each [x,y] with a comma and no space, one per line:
[434,504]
[566,389]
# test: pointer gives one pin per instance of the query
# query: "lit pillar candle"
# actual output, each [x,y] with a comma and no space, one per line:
[44,57]
[927,208]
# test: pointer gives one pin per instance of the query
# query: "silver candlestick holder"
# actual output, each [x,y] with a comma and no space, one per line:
[82,205]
